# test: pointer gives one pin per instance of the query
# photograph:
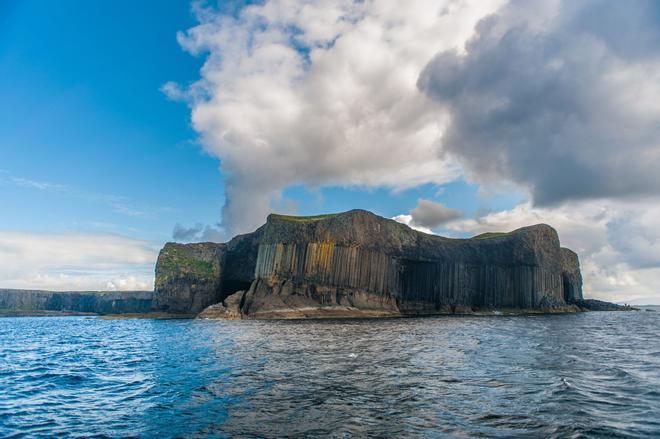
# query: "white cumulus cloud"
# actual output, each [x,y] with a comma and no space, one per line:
[321,93]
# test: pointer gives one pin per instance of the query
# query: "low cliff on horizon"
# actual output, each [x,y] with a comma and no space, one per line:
[41,302]
[359,264]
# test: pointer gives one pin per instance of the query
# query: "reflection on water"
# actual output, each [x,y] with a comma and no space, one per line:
[588,374]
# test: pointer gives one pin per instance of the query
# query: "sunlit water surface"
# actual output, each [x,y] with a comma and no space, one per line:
[589,374]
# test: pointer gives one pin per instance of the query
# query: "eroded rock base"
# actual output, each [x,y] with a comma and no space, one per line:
[265,300]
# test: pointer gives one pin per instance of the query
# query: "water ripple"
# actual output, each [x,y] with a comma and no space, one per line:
[584,375]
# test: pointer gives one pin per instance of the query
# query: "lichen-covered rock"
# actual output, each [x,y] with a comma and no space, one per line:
[188,277]
[191,277]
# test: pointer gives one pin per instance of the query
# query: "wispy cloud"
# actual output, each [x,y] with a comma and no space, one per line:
[118,203]
[40,185]
[7,178]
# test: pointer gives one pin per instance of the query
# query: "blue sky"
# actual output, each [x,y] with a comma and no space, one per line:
[121,121]
[82,109]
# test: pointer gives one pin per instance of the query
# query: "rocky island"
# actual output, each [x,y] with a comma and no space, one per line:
[357,264]
[351,264]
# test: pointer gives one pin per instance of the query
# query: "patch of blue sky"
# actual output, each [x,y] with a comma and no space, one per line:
[82,108]
[460,195]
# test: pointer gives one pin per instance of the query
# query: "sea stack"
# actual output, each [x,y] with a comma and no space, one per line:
[357,264]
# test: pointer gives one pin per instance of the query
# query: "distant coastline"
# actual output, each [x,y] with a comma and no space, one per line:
[16,302]
[137,305]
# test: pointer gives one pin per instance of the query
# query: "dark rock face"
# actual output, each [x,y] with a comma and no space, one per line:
[571,276]
[188,277]
[357,263]
[241,261]
[191,277]
[98,302]
[358,260]
[599,305]
[229,309]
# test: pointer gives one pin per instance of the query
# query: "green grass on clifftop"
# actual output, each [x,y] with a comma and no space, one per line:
[489,235]
[177,260]
[304,219]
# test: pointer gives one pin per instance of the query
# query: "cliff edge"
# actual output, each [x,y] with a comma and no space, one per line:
[359,264]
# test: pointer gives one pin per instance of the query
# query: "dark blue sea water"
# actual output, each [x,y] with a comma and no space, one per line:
[580,375]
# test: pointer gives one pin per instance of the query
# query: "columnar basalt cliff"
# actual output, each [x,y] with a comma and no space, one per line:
[359,264]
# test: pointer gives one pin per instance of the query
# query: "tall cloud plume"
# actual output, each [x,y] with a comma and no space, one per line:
[321,93]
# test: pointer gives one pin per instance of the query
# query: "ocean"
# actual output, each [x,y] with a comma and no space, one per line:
[573,375]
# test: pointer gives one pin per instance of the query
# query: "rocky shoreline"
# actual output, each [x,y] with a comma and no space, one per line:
[228,310]
[600,305]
